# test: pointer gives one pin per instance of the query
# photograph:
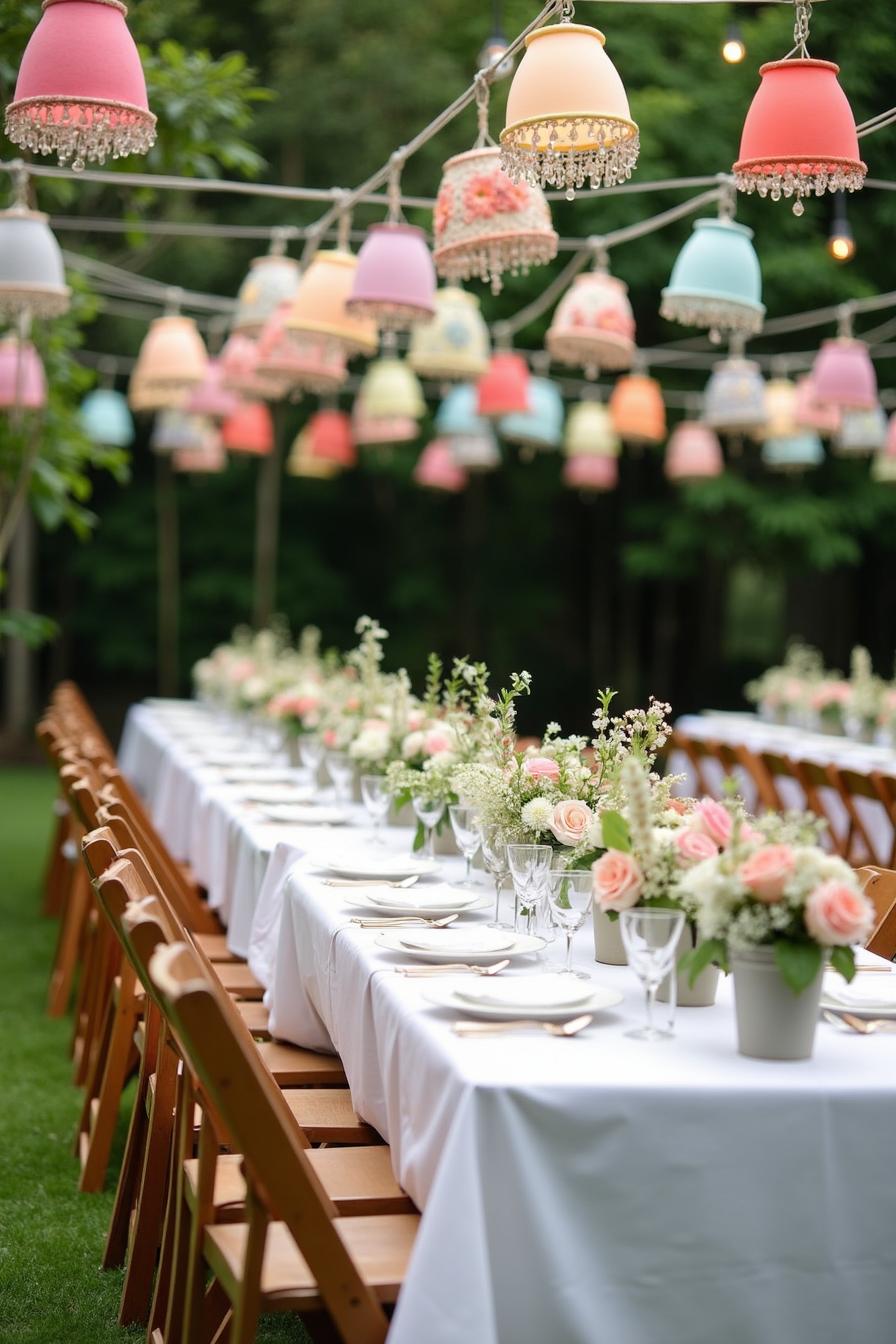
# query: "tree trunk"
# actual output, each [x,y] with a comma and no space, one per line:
[19,687]
[267,526]
[169,575]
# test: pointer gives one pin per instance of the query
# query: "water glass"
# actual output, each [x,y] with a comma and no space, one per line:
[529,867]
[570,897]
[494,854]
[311,753]
[650,938]
[340,769]
[377,799]
[468,833]
[429,813]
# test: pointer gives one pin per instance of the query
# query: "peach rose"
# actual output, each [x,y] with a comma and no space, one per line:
[681,806]
[541,767]
[714,820]
[416,720]
[329,737]
[570,822]
[838,915]
[767,872]
[618,881]
[437,741]
[694,846]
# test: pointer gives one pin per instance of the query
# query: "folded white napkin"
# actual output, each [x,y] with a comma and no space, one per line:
[869,993]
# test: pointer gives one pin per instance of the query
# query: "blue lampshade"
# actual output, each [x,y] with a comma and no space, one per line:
[542,425]
[795,452]
[106,419]
[457,414]
[716,281]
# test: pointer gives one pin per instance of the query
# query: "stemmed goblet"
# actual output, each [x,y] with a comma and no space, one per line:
[377,799]
[494,854]
[650,937]
[340,769]
[311,753]
[529,867]
[428,812]
[468,833]
[570,896]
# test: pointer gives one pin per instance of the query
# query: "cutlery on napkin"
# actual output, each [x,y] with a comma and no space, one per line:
[370,882]
[453,968]
[402,921]
[570,1028]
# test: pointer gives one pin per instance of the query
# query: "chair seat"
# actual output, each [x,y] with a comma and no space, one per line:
[381,1248]
[237,978]
[214,945]
[327,1115]
[255,1016]
[292,1066]
[358,1180]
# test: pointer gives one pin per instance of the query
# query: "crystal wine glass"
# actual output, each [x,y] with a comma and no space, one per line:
[468,834]
[340,769]
[650,938]
[570,896]
[529,867]
[311,753]
[494,854]
[377,799]
[428,812]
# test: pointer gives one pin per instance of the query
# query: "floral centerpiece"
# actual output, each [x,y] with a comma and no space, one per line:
[866,697]
[241,677]
[782,693]
[299,706]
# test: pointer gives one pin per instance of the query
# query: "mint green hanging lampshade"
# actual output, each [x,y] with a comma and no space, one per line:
[794,452]
[716,281]
[542,425]
[106,419]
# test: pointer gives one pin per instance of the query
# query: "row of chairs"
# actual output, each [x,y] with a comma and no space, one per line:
[847,831]
[249,1184]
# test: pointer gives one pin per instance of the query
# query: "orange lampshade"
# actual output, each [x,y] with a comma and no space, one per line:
[637,409]
[318,308]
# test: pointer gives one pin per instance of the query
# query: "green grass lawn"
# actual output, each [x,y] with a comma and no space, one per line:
[52,1290]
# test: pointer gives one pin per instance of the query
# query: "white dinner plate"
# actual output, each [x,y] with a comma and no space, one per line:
[865,996]
[446,996]
[523,992]
[305,814]
[276,793]
[427,905]
[379,867]
[523,945]
[432,894]
[259,774]
[489,942]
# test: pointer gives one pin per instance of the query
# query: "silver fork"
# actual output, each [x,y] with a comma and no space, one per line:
[404,921]
[863,1025]
[570,1028]
[370,882]
[421,972]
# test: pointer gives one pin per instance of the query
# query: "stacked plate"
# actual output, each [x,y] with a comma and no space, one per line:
[434,900]
[277,794]
[305,814]
[543,998]
[872,995]
[469,944]
[378,867]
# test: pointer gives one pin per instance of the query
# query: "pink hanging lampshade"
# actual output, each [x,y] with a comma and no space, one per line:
[395,283]
[693,453]
[249,430]
[594,326]
[23,383]
[172,362]
[372,431]
[799,137]
[843,375]
[504,388]
[594,474]
[239,368]
[485,225]
[808,413]
[319,305]
[81,93]
[330,438]
[279,362]
[211,398]
[436,468]
[637,409]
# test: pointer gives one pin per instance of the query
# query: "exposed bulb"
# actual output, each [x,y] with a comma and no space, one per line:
[495,49]
[734,49]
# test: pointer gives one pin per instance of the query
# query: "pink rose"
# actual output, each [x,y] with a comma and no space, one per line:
[767,872]
[618,881]
[329,737]
[748,834]
[570,821]
[714,820]
[541,767]
[416,720]
[694,846]
[437,742]
[837,914]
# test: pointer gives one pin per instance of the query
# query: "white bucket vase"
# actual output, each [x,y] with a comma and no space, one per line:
[702,994]
[608,946]
[772,1021]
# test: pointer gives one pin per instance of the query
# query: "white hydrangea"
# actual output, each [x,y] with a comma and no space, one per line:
[537,814]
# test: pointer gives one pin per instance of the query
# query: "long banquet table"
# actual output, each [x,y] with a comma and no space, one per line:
[592,1191]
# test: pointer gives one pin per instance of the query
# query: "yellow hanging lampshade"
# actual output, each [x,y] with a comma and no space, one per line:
[456,344]
[590,431]
[302,461]
[390,388]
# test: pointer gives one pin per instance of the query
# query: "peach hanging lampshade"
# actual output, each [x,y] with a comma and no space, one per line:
[809,413]
[436,469]
[590,431]
[637,409]
[249,430]
[780,409]
[504,388]
[843,375]
[23,383]
[32,275]
[593,326]
[239,369]
[210,397]
[591,474]
[303,463]
[395,281]
[456,344]
[568,118]
[330,437]
[861,433]
[319,305]
[693,453]
[172,362]
[272,280]
[734,399]
[487,226]
[391,390]
[81,94]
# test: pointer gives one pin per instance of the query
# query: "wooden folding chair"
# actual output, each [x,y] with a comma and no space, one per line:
[698,753]
[815,780]
[293,1252]
[860,844]
[879,885]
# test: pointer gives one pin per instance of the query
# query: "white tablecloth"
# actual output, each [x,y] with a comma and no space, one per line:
[598,1190]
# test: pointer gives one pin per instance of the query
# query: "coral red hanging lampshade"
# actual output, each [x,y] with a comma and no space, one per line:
[436,468]
[843,375]
[395,281]
[799,137]
[249,430]
[591,473]
[23,384]
[330,438]
[81,93]
[504,388]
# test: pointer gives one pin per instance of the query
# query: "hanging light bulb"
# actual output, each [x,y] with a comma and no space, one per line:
[734,48]
[493,53]
[841,244]
[568,119]
[81,93]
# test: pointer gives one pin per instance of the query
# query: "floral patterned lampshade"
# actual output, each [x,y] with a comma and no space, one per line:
[390,389]
[23,383]
[81,93]
[716,281]
[591,474]
[637,409]
[843,375]
[568,119]
[594,326]
[330,438]
[861,433]
[794,452]
[456,344]
[106,419]
[693,453]
[809,413]
[395,281]
[319,305]
[487,226]
[292,362]
[734,399]
[172,362]
[436,468]
[504,388]
[541,427]
[249,430]
[210,397]
[271,280]
[590,431]
[303,463]
[32,275]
